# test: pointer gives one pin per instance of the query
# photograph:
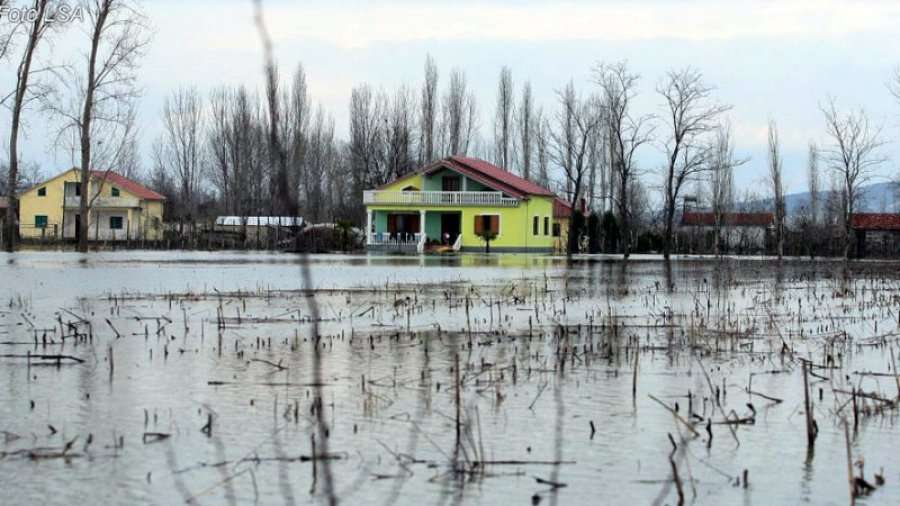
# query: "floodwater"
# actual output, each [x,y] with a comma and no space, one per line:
[547,390]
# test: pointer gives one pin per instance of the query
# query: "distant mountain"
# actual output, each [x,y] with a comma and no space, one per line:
[875,198]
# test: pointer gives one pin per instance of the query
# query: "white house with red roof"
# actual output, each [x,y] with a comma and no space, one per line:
[455,203]
[120,209]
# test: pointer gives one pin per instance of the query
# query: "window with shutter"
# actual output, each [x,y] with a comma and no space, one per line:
[485,222]
[495,224]
[535,228]
[546,225]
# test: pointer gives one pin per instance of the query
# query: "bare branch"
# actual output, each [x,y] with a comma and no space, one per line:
[690,114]
[853,155]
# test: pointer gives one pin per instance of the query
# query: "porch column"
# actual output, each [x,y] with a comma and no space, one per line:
[422,223]
[368,226]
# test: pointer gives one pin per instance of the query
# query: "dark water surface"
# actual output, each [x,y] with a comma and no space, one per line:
[547,347]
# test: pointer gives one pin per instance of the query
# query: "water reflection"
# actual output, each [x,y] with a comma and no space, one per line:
[555,358]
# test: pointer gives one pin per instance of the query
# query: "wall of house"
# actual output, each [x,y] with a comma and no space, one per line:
[400,184]
[434,182]
[516,233]
[50,205]
[561,243]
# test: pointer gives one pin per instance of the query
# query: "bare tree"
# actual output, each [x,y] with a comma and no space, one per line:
[100,109]
[853,155]
[321,146]
[627,133]
[399,136]
[812,175]
[503,118]
[690,114]
[894,83]
[285,201]
[894,88]
[218,135]
[542,139]
[180,148]
[366,158]
[296,131]
[721,179]
[236,144]
[8,33]
[577,122]
[526,130]
[458,115]
[775,180]
[428,112]
[26,90]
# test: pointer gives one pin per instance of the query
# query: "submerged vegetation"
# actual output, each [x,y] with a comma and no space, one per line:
[639,381]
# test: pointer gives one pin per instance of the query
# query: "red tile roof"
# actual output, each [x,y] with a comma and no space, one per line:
[706,219]
[138,190]
[875,221]
[561,208]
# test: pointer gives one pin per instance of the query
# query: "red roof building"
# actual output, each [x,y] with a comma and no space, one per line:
[875,221]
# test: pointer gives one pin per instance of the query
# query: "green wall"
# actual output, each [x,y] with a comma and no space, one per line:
[433,183]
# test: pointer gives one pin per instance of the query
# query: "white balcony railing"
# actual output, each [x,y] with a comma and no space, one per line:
[435,198]
[398,239]
[75,201]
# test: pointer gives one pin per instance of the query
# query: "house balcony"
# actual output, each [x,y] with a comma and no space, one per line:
[438,198]
[73,202]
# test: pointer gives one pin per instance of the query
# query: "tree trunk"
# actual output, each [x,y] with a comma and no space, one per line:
[625,229]
[667,236]
[24,72]
[86,117]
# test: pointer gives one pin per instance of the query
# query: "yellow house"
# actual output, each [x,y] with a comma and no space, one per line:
[451,203]
[120,209]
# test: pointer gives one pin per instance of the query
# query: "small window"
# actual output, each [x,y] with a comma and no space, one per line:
[451,184]
[556,230]
[114,191]
[77,189]
[115,223]
[40,221]
[535,226]
[42,192]
[546,225]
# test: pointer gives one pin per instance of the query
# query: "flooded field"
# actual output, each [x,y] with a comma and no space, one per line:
[172,378]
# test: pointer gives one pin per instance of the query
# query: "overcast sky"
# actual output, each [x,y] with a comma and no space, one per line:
[769,59]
